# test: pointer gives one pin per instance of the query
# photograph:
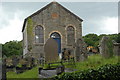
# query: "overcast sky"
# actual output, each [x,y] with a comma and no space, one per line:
[99,17]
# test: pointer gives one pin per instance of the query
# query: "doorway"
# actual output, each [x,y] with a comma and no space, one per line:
[56,36]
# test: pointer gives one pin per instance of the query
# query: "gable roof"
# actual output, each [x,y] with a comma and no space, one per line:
[46,8]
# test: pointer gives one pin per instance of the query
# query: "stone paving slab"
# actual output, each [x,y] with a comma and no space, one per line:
[51,73]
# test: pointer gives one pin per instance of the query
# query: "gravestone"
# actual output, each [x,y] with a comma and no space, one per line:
[51,50]
[80,50]
[116,49]
[104,47]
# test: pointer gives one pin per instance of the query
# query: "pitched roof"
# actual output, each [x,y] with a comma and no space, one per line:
[46,8]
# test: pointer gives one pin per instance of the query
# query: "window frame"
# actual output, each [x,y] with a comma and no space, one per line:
[39,31]
[68,33]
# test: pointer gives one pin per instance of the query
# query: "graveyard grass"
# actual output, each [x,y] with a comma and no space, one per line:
[33,73]
[93,62]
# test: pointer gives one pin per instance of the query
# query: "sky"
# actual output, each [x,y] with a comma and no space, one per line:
[98,17]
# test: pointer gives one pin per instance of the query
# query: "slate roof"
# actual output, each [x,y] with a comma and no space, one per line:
[46,8]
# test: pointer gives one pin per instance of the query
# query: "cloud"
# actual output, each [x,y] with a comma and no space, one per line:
[12,31]
[3,18]
[101,25]
[109,25]
[99,20]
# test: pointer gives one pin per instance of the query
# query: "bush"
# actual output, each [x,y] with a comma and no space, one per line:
[109,72]
[118,38]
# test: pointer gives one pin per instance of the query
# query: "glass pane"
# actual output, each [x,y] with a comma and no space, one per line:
[55,35]
[39,34]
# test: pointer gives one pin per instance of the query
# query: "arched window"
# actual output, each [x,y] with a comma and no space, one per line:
[70,35]
[39,34]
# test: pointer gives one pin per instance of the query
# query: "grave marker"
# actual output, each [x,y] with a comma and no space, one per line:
[80,50]
[51,50]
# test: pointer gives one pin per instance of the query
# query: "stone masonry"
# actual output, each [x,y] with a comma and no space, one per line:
[53,18]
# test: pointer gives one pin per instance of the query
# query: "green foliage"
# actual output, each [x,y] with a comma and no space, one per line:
[30,27]
[108,72]
[95,61]
[110,47]
[93,39]
[19,65]
[30,32]
[46,66]
[12,48]
[118,38]
[33,73]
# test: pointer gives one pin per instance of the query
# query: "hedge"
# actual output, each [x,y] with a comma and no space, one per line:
[106,72]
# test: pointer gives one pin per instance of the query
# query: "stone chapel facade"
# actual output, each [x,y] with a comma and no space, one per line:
[52,21]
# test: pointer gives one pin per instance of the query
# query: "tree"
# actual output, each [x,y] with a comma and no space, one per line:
[12,48]
[91,40]
[118,38]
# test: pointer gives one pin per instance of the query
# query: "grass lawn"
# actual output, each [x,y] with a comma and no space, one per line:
[33,73]
[93,61]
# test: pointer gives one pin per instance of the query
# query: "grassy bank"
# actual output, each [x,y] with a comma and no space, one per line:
[93,62]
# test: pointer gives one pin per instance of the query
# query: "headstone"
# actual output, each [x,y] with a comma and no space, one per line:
[116,49]
[104,47]
[51,50]
[80,50]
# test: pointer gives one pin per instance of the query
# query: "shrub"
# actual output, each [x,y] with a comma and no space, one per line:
[118,38]
[109,72]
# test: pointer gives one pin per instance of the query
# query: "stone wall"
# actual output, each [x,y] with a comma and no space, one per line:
[54,19]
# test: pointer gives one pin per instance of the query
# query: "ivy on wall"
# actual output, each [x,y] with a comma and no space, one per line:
[30,33]
[30,27]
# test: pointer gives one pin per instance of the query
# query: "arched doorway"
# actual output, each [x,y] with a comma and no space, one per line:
[56,36]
